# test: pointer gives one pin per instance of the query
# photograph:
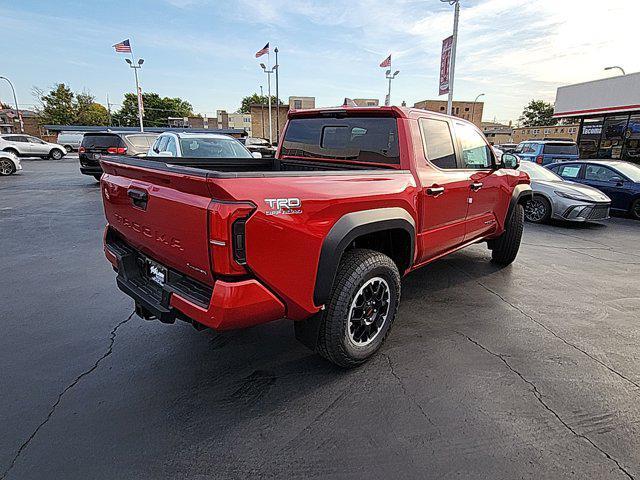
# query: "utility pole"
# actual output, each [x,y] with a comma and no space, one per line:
[452,69]
[277,98]
[109,108]
[138,91]
[15,100]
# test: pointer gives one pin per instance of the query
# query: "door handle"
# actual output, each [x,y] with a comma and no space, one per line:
[476,186]
[435,191]
[138,197]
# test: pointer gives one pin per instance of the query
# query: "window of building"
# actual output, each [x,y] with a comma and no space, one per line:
[297,104]
[475,151]
[437,143]
[590,137]
[547,131]
[442,109]
[535,131]
[371,103]
[466,109]
[612,136]
[632,139]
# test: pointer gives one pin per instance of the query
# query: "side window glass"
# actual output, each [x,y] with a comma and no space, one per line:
[475,151]
[569,171]
[519,148]
[163,144]
[437,142]
[171,147]
[599,173]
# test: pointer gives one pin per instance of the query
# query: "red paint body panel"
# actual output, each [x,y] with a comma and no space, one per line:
[188,221]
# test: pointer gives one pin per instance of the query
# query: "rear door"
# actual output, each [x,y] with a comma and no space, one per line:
[37,146]
[484,194]
[445,190]
[610,182]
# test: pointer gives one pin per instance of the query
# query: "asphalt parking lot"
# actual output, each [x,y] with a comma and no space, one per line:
[531,371]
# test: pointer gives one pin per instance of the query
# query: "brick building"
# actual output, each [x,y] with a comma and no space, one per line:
[471,111]
[366,102]
[566,132]
[260,116]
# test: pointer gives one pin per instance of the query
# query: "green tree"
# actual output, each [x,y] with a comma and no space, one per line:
[157,110]
[537,114]
[57,106]
[255,99]
[88,111]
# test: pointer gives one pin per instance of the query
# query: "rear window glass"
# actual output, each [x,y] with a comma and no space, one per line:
[101,141]
[561,149]
[362,139]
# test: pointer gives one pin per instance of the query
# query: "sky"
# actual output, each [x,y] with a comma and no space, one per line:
[203,50]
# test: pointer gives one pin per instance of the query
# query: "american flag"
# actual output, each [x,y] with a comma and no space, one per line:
[123,47]
[386,62]
[264,51]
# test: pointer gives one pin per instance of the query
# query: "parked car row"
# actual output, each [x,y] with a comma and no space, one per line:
[22,145]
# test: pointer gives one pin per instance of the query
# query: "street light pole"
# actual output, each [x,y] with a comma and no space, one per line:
[614,67]
[15,100]
[269,72]
[262,109]
[138,92]
[452,69]
[473,108]
[390,77]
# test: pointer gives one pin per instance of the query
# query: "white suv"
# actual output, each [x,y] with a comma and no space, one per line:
[23,145]
[199,145]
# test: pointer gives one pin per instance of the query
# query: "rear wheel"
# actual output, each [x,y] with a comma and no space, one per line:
[361,308]
[56,154]
[6,167]
[635,209]
[68,148]
[504,249]
[537,210]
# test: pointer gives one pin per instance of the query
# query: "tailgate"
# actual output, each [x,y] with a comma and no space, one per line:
[160,213]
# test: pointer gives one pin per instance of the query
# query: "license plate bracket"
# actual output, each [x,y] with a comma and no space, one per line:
[155,272]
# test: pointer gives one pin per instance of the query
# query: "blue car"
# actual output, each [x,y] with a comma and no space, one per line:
[619,180]
[544,152]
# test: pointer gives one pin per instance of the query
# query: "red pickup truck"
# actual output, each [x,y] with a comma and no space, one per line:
[321,234]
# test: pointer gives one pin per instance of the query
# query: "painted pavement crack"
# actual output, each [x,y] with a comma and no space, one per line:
[52,410]
[542,402]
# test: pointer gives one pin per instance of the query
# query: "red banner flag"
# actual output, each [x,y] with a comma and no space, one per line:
[445,64]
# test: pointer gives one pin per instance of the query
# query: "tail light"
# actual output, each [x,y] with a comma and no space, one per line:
[539,159]
[117,150]
[227,238]
[81,150]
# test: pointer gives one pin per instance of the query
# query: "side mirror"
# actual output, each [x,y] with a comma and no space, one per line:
[509,160]
[165,154]
[256,154]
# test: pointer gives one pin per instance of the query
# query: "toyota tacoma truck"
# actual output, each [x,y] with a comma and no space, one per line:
[354,199]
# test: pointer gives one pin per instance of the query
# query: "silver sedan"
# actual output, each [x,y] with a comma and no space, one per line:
[556,198]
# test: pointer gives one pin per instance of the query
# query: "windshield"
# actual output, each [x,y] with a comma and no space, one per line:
[204,147]
[561,148]
[536,172]
[629,170]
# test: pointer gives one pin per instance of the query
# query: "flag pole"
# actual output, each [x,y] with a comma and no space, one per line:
[269,94]
[277,99]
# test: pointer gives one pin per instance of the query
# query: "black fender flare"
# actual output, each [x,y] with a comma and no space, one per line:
[520,194]
[349,227]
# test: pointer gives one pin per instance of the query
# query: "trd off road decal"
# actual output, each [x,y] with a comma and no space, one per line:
[283,206]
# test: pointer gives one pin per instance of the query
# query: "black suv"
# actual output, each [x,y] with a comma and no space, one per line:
[95,145]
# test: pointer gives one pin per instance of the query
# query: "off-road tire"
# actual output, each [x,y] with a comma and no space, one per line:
[56,154]
[544,203]
[504,249]
[356,268]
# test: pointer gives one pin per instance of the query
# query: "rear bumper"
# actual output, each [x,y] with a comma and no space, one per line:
[226,306]
[91,170]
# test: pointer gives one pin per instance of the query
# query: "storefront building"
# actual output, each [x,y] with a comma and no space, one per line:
[608,112]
